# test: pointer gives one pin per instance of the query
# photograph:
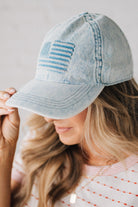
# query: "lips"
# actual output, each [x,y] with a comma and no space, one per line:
[61,130]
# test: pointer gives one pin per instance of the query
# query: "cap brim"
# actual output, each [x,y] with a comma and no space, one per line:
[54,100]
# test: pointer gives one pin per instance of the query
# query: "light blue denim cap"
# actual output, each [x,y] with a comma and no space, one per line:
[78,58]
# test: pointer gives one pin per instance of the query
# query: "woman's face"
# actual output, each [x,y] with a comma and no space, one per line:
[70,130]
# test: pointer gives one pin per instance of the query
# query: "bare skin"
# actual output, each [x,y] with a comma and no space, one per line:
[9,131]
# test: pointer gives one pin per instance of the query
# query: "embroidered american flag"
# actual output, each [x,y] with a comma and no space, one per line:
[56,56]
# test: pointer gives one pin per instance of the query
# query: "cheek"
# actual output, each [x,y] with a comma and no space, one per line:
[80,118]
[79,121]
[79,129]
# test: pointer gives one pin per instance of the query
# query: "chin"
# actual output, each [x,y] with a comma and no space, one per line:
[67,140]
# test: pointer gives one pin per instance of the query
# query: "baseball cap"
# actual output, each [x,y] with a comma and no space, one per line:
[77,59]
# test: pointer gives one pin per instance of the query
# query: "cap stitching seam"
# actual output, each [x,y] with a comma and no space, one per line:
[65,100]
[98,45]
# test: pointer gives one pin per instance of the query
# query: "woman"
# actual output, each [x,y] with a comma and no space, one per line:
[81,149]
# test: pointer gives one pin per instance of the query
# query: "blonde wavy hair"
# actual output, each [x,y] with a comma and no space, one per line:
[110,126]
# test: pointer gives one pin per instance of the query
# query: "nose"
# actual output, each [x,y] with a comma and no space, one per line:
[48,119]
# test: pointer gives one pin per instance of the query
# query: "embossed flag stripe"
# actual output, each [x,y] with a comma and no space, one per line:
[56,58]
[61,50]
[51,61]
[64,46]
[68,43]
[59,55]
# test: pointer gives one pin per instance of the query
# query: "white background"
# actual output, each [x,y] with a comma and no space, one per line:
[23,25]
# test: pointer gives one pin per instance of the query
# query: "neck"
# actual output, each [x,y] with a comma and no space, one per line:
[98,160]
[101,159]
[101,162]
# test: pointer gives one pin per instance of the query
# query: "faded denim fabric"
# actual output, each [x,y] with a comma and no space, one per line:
[77,59]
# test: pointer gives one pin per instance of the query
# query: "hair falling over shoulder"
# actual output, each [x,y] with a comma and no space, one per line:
[48,162]
[56,169]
